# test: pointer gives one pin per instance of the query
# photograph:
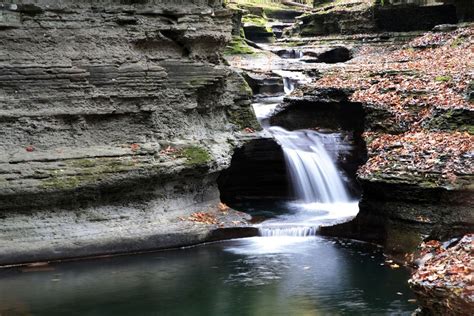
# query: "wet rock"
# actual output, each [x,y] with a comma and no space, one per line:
[338,54]
[259,33]
[264,83]
[289,53]
[445,28]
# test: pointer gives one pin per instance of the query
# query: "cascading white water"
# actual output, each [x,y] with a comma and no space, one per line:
[288,85]
[314,175]
[295,231]
[319,188]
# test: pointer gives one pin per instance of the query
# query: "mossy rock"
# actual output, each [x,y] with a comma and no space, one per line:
[195,155]
[451,120]
[243,118]
[254,20]
[68,182]
[238,46]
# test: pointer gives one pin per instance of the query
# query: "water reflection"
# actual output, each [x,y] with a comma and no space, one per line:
[255,276]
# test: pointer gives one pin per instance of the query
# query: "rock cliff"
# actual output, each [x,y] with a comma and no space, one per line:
[115,120]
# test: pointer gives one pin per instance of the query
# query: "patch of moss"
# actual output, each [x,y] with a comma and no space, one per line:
[195,155]
[83,163]
[100,165]
[199,82]
[61,183]
[245,88]
[451,120]
[457,42]
[443,78]
[238,47]
[243,118]
[264,4]
[254,20]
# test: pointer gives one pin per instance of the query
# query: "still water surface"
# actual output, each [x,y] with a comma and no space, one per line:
[253,276]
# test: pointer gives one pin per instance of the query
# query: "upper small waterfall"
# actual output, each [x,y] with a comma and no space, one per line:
[288,85]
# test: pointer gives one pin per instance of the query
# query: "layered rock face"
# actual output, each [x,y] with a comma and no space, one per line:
[362,16]
[115,119]
[417,182]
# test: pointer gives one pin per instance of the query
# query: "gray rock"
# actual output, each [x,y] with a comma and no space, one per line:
[120,110]
[445,28]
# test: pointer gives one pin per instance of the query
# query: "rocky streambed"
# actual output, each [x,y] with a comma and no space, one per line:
[404,99]
[122,126]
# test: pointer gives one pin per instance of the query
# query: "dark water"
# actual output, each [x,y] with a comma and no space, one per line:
[255,276]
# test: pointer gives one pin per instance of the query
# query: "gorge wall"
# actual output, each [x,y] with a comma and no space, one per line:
[115,121]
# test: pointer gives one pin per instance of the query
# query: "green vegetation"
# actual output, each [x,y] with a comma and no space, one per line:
[87,171]
[443,78]
[458,41]
[238,46]
[63,183]
[245,88]
[195,155]
[243,118]
[83,163]
[254,20]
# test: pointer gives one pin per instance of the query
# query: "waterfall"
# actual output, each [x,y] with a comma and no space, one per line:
[313,174]
[294,231]
[319,188]
[288,85]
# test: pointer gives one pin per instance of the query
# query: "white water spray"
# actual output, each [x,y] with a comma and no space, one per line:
[314,175]
[318,185]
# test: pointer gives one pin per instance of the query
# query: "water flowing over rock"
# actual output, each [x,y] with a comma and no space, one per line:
[313,173]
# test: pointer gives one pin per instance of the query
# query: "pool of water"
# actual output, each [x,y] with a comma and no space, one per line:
[254,276]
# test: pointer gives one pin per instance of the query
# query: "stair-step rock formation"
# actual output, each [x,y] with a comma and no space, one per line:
[115,122]
[366,16]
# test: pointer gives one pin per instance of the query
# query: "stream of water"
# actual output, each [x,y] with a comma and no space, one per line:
[254,276]
[321,194]
[290,270]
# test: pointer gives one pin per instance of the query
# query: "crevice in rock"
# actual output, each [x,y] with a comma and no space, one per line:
[257,172]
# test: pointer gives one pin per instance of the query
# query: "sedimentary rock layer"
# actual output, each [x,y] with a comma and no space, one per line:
[119,109]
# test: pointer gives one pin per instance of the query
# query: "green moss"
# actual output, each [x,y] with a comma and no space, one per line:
[452,120]
[254,20]
[199,82]
[428,184]
[61,183]
[238,47]
[457,42]
[265,4]
[83,163]
[242,33]
[195,155]
[88,171]
[443,78]
[243,118]
[245,88]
